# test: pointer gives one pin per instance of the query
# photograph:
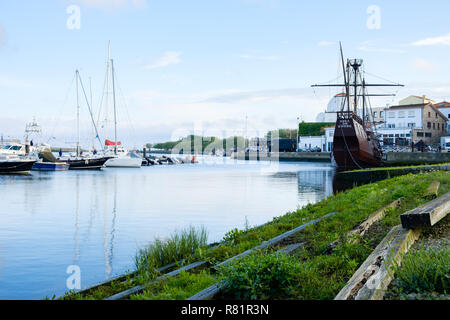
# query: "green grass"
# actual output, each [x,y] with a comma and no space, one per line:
[321,276]
[260,276]
[398,167]
[180,287]
[309,274]
[424,273]
[180,245]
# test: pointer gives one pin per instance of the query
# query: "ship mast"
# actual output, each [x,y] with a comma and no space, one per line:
[78,116]
[115,110]
[352,73]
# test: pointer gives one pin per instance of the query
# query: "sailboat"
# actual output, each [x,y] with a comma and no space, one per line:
[80,162]
[119,156]
[355,144]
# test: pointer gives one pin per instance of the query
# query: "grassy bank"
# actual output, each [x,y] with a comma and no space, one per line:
[425,270]
[398,167]
[424,274]
[310,273]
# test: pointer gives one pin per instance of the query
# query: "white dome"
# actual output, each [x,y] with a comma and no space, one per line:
[334,106]
[336,102]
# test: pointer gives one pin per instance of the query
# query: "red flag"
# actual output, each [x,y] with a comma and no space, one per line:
[112,143]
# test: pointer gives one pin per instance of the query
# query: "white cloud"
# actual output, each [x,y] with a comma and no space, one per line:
[260,96]
[423,65]
[374,46]
[441,40]
[168,58]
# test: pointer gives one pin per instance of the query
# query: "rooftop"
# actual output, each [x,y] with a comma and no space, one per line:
[443,104]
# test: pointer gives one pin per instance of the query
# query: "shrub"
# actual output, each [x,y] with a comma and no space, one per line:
[180,245]
[424,270]
[259,276]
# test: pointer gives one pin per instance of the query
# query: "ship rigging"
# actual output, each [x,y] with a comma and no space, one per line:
[355,144]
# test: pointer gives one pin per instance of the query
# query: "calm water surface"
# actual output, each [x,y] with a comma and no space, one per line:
[98,220]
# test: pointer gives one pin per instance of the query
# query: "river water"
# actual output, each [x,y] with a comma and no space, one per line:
[98,220]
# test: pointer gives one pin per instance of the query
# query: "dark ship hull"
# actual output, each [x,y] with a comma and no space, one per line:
[18,166]
[87,164]
[354,147]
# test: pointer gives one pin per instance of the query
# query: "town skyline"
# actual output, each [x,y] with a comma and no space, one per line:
[211,70]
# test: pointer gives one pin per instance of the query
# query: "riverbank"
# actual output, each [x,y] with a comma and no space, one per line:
[283,156]
[310,273]
[348,179]
[424,271]
[104,216]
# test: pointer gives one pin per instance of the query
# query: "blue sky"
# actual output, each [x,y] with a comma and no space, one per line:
[204,66]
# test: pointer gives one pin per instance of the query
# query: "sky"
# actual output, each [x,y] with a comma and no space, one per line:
[207,67]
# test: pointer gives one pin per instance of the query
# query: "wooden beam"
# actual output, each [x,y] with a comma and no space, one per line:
[119,278]
[139,288]
[432,190]
[428,214]
[362,228]
[274,241]
[372,279]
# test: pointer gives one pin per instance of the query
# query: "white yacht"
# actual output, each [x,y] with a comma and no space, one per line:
[14,159]
[122,158]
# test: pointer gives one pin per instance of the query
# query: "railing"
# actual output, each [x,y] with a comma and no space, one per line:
[399,127]
[349,115]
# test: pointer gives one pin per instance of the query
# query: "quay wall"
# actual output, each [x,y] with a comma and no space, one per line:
[416,158]
[283,156]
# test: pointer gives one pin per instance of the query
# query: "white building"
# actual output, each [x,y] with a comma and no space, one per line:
[399,122]
[415,100]
[329,137]
[444,107]
[311,143]
[410,123]
[324,143]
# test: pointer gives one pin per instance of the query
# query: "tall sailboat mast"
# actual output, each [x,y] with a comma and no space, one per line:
[115,110]
[107,89]
[92,127]
[78,116]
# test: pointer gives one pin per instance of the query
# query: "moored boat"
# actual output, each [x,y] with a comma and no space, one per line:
[120,157]
[78,161]
[50,166]
[87,163]
[14,164]
[355,144]
[48,162]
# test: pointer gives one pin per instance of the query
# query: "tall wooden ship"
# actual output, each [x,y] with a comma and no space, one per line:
[355,144]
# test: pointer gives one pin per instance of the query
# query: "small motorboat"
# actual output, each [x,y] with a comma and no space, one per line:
[51,166]
[15,164]
[119,157]
[80,163]
[48,162]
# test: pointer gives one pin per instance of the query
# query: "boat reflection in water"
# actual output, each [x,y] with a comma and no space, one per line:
[52,221]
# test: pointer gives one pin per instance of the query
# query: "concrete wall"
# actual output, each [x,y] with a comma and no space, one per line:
[394,158]
[284,156]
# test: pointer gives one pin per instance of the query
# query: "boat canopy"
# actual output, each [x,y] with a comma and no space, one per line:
[112,143]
